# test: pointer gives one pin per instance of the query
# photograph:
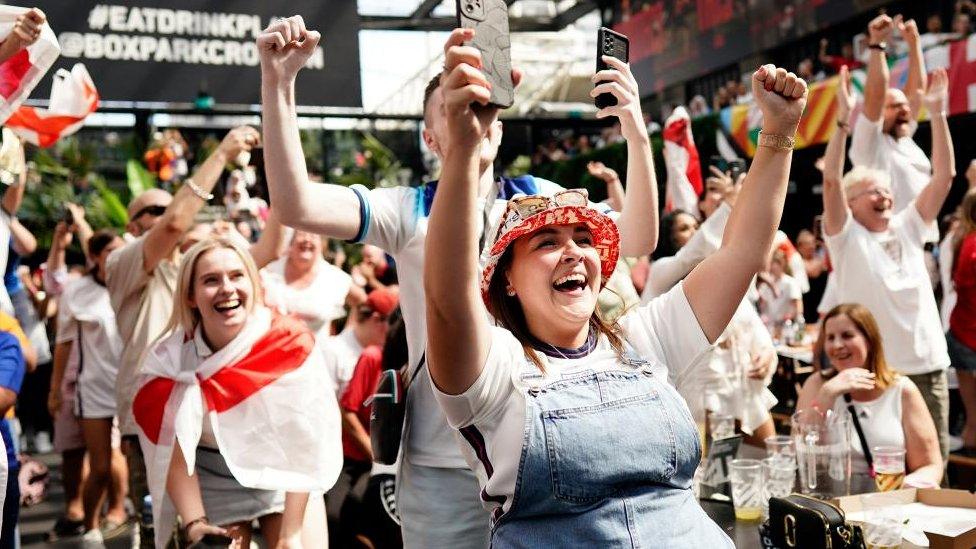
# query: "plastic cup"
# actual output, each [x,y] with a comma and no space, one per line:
[778,479]
[889,467]
[884,518]
[721,426]
[780,446]
[747,489]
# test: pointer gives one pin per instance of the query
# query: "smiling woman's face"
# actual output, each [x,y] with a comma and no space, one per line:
[223,294]
[845,345]
[555,273]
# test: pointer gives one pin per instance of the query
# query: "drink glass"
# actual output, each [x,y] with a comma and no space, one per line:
[747,489]
[778,478]
[722,425]
[889,467]
[884,517]
[781,446]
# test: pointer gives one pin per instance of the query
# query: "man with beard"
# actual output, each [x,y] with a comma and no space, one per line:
[883,133]
[141,278]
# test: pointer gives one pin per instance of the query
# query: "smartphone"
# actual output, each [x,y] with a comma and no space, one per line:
[719,162]
[615,45]
[489,19]
[736,168]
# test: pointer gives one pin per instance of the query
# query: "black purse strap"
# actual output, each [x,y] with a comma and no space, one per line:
[860,434]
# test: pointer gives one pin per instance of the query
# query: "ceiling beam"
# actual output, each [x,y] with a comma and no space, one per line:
[579,9]
[425,9]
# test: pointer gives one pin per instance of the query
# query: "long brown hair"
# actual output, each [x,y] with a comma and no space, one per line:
[508,312]
[967,223]
[875,362]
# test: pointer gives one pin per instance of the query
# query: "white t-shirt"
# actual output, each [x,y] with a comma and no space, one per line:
[85,309]
[341,355]
[886,273]
[665,332]
[396,221]
[902,158]
[5,304]
[319,303]
[774,306]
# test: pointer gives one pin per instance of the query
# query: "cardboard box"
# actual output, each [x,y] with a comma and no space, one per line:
[934,498]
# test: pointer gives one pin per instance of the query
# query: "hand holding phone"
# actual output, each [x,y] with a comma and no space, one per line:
[489,19]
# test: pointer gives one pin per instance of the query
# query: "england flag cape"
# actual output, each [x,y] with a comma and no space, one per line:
[24,69]
[266,395]
[684,183]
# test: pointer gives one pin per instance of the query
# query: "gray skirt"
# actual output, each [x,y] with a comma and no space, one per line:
[224,499]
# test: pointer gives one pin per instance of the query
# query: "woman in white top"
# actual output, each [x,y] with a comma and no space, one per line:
[780,298]
[569,422]
[303,284]
[234,407]
[88,338]
[889,406]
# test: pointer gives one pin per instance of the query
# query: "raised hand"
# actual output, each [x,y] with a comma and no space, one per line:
[27,27]
[845,96]
[284,48]
[781,97]
[937,96]
[467,92]
[238,140]
[879,29]
[619,81]
[601,171]
[907,29]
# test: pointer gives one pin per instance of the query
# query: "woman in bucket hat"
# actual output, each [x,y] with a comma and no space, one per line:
[570,422]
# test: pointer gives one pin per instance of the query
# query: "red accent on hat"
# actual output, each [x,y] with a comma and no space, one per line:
[382,301]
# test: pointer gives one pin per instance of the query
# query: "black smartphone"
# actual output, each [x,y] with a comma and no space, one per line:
[489,19]
[736,168]
[615,45]
[719,162]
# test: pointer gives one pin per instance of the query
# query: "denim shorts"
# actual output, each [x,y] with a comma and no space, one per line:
[963,358]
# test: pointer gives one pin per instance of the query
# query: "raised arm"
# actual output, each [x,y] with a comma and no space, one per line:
[165,235]
[22,239]
[931,198]
[781,97]
[615,189]
[81,226]
[917,80]
[271,245]
[331,210]
[26,31]
[879,30]
[14,195]
[638,220]
[834,199]
[457,327]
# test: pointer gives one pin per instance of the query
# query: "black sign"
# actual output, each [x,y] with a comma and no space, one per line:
[672,41]
[716,483]
[170,50]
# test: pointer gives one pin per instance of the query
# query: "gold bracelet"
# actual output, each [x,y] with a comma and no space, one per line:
[198,190]
[778,142]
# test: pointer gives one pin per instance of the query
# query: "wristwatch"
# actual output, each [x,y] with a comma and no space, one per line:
[880,46]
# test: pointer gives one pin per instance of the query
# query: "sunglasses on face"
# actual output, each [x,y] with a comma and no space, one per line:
[880,192]
[154,210]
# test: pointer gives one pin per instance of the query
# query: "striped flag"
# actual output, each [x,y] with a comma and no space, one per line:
[21,72]
[266,395]
[73,98]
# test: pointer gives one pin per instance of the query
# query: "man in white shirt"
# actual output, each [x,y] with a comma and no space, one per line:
[883,133]
[342,351]
[878,255]
[437,495]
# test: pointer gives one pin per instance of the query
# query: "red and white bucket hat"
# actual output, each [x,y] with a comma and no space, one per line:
[526,214]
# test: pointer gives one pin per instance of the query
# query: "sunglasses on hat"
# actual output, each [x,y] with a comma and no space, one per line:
[524,207]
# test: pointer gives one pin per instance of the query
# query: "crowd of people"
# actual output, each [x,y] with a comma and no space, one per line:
[222,376]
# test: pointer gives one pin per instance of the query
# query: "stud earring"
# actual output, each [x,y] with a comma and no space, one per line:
[511,292]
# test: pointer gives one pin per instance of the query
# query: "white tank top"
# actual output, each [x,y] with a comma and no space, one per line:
[880,419]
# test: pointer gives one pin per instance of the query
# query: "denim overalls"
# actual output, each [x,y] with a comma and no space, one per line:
[607,461]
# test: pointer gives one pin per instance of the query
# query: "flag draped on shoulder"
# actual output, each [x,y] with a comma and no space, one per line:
[22,71]
[266,396]
[73,98]
[684,184]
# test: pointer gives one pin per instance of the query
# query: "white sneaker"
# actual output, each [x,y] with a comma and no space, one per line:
[92,539]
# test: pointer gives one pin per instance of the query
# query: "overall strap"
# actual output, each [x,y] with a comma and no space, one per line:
[860,434]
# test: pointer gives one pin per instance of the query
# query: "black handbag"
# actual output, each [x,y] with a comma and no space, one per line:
[808,523]
[387,412]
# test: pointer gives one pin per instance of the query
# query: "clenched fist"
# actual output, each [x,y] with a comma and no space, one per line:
[781,96]
[284,48]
